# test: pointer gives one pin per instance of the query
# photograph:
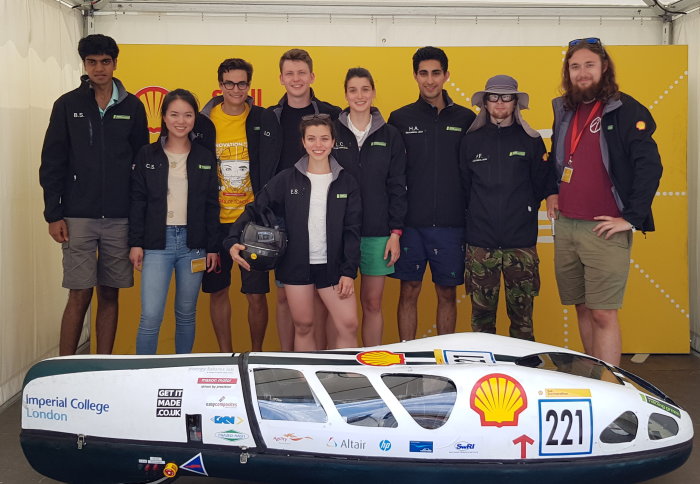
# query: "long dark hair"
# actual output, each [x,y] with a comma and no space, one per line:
[361,72]
[183,94]
[608,85]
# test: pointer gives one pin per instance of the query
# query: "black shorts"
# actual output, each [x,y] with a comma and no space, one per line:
[252,282]
[318,276]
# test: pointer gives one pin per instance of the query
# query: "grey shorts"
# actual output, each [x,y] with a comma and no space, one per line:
[590,269]
[97,253]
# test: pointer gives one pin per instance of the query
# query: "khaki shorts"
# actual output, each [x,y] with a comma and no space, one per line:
[97,253]
[590,269]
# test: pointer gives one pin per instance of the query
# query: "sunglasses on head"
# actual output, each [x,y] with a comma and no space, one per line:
[493,97]
[309,117]
[587,40]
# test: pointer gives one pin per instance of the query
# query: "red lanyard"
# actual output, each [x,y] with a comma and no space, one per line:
[576,134]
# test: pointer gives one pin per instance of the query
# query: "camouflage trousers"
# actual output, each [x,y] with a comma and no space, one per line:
[520,268]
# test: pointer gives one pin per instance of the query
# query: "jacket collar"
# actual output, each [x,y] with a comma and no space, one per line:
[303,164]
[87,87]
[426,105]
[376,120]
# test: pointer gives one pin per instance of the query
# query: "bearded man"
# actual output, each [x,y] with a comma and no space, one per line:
[608,167]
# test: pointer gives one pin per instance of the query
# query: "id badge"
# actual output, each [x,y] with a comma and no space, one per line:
[199,265]
[566,174]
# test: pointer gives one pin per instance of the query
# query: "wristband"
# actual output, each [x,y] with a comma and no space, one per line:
[398,232]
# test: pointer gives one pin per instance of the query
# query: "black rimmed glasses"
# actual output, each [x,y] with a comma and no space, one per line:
[309,117]
[587,40]
[493,97]
[241,85]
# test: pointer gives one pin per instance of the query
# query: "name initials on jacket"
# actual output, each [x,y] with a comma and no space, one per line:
[480,157]
[150,166]
[78,115]
[340,146]
[414,130]
[294,191]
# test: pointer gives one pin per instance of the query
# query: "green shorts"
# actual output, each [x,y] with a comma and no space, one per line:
[590,269]
[372,261]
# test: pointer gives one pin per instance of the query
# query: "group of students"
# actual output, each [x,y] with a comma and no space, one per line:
[351,189]
[334,179]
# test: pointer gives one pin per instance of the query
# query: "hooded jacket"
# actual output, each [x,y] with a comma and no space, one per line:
[149,198]
[432,140]
[380,169]
[629,152]
[288,195]
[263,152]
[86,158]
[505,175]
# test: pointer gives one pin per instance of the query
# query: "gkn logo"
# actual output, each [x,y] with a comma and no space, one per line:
[217,419]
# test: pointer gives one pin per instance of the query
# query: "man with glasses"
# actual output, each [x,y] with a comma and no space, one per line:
[246,154]
[93,136]
[296,75]
[432,129]
[608,167]
[505,175]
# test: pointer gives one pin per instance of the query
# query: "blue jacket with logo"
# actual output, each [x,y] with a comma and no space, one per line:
[86,158]
[380,169]
[288,195]
[432,139]
[506,175]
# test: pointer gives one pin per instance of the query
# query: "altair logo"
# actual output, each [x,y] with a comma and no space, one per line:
[385,445]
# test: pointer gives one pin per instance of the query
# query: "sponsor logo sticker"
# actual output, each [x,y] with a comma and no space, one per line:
[567,392]
[217,381]
[227,420]
[385,445]
[641,125]
[169,402]
[499,400]
[663,406]
[196,465]
[454,357]
[381,358]
[421,446]
[290,438]
[232,435]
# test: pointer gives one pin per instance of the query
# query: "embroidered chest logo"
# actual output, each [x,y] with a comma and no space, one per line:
[414,130]
[340,146]
[595,125]
[480,157]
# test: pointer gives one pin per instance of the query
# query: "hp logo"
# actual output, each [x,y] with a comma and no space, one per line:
[385,445]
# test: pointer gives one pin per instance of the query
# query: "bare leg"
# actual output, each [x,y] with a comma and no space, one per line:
[72,321]
[408,309]
[585,327]
[343,313]
[607,342]
[106,319]
[285,327]
[447,309]
[301,307]
[322,324]
[257,319]
[371,293]
[220,309]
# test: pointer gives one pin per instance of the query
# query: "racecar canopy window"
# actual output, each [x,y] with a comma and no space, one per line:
[662,426]
[578,365]
[284,394]
[428,399]
[356,399]
[622,429]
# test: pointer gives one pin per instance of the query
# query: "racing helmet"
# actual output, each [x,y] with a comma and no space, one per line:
[265,242]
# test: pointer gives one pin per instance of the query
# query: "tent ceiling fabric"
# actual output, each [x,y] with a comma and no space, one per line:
[438,8]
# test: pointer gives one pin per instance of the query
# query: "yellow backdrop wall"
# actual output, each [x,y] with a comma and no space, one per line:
[655,317]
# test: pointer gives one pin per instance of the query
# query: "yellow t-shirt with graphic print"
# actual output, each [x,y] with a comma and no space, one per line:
[235,188]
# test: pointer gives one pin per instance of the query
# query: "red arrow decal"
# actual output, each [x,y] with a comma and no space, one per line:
[523,440]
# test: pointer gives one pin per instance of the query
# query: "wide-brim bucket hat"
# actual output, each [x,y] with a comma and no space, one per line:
[501,84]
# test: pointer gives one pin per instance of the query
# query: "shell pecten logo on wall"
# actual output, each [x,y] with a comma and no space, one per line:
[381,358]
[498,399]
[152,99]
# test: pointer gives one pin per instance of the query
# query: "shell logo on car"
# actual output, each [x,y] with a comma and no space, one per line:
[381,358]
[498,399]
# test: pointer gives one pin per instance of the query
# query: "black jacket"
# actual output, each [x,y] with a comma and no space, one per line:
[629,152]
[319,107]
[86,159]
[435,197]
[380,169]
[149,198]
[288,195]
[505,175]
[263,150]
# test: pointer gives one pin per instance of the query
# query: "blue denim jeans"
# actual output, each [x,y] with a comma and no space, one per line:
[157,271]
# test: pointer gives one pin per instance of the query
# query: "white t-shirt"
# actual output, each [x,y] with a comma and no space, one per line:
[318,253]
[360,134]
[177,189]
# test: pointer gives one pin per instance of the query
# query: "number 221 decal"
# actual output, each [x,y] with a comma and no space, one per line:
[566,427]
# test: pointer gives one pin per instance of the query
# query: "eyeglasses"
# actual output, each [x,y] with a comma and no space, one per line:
[309,117]
[587,40]
[506,98]
[242,85]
